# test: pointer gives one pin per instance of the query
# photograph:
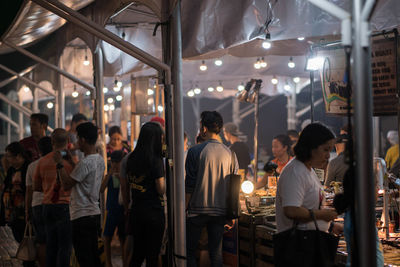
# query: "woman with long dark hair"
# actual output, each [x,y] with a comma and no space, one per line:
[145,173]
[13,196]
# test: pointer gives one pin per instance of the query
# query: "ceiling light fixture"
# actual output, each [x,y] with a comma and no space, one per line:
[150,91]
[203,66]
[300,38]
[263,64]
[257,65]
[26,89]
[266,44]
[274,80]
[75,93]
[118,97]
[197,90]
[116,87]
[240,87]
[88,93]
[220,88]
[105,90]
[190,93]
[296,79]
[112,107]
[110,100]
[50,105]
[210,89]
[287,87]
[291,64]
[106,108]
[160,108]
[218,62]
[86,61]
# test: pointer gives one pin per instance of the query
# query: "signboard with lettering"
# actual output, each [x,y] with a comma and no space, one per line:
[384,77]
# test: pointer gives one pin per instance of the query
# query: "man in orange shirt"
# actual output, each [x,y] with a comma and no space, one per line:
[55,202]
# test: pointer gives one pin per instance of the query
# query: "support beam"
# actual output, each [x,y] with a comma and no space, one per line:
[81,21]
[26,80]
[52,66]
[20,120]
[306,109]
[264,102]
[178,153]
[364,224]
[9,122]
[16,105]
[14,77]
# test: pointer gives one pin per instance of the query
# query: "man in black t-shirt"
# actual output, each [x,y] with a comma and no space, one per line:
[231,134]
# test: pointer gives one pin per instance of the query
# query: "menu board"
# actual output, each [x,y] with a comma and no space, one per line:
[384,77]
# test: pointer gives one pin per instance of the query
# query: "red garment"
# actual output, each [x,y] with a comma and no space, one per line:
[280,164]
[31,146]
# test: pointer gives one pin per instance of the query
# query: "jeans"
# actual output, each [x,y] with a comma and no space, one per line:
[58,234]
[85,234]
[39,224]
[148,230]
[215,229]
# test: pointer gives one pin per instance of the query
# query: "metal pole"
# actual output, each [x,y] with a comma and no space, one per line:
[178,153]
[60,104]
[56,109]
[99,111]
[9,124]
[25,79]
[312,96]
[236,111]
[81,21]
[35,100]
[20,120]
[364,225]
[14,77]
[51,66]
[256,117]
[15,105]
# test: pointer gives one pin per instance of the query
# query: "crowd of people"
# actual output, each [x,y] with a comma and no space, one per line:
[55,182]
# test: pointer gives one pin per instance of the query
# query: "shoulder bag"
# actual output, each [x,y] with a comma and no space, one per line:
[27,249]
[232,198]
[305,248]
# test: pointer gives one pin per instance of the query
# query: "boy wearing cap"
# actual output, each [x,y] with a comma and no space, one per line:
[115,211]
[231,134]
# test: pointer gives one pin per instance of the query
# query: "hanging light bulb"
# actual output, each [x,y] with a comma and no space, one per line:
[86,61]
[257,65]
[240,87]
[50,105]
[118,97]
[210,89]
[26,89]
[266,44]
[263,64]
[116,88]
[119,84]
[197,90]
[300,38]
[274,80]
[150,91]
[105,90]
[160,108]
[88,93]
[110,100]
[106,108]
[75,93]
[203,66]
[287,87]
[218,62]
[296,79]
[291,64]
[190,93]
[112,107]
[220,88]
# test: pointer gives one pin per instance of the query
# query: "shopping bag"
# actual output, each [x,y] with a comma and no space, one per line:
[27,249]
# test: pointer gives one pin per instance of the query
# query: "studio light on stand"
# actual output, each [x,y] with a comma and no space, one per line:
[243,94]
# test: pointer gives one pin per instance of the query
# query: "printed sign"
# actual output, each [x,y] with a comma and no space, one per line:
[384,77]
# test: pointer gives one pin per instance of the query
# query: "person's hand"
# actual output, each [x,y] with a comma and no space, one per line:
[326,215]
[229,225]
[27,217]
[337,228]
[57,157]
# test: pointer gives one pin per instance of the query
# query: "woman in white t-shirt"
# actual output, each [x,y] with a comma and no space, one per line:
[299,189]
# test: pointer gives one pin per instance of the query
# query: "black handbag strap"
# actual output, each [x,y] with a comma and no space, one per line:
[313,218]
